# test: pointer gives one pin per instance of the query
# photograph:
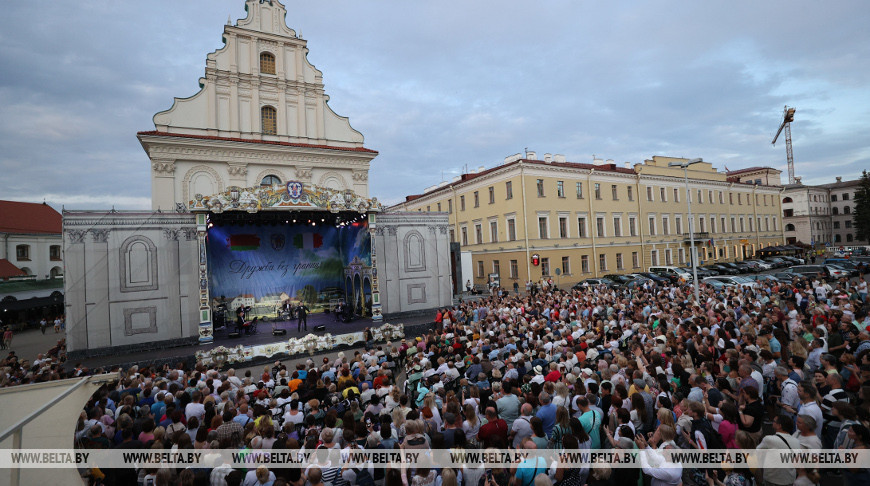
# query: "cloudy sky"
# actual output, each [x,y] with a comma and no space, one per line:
[437,86]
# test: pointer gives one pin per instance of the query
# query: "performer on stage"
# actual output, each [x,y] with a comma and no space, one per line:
[301,317]
[240,318]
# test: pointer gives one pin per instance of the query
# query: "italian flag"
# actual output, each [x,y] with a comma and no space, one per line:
[308,241]
[244,242]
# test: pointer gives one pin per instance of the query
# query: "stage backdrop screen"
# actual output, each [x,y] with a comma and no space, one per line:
[259,266]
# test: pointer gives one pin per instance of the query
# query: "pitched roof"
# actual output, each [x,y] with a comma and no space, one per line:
[568,165]
[268,142]
[7,269]
[29,218]
[748,169]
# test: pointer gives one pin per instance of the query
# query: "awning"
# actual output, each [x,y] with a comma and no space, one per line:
[33,303]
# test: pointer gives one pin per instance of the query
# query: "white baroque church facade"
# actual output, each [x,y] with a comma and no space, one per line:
[259,126]
[261,118]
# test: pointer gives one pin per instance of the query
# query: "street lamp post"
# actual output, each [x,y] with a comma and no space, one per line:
[685,166]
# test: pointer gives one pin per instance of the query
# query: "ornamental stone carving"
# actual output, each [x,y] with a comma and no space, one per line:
[360,176]
[238,170]
[167,168]
[303,173]
[76,236]
[171,234]
[100,235]
[391,230]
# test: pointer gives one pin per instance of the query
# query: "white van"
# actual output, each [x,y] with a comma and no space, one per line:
[673,273]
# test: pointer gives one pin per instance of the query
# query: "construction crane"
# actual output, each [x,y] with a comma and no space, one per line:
[787,118]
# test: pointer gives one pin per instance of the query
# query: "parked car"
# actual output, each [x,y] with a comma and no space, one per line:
[672,272]
[655,278]
[724,269]
[761,264]
[785,276]
[621,280]
[712,269]
[808,270]
[851,266]
[733,281]
[702,272]
[744,267]
[594,282]
[777,262]
[837,271]
[763,278]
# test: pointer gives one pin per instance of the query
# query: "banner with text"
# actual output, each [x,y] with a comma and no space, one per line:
[262,265]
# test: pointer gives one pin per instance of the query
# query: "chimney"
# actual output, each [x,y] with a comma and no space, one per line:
[597,161]
[628,165]
[609,162]
[559,158]
[839,179]
[548,158]
[481,169]
[531,155]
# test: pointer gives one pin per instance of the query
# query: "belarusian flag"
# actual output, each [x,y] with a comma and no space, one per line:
[244,242]
[308,241]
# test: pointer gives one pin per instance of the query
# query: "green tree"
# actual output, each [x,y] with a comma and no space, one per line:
[307,294]
[861,211]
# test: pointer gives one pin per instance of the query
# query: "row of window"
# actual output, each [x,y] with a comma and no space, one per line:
[602,230]
[22,253]
[566,265]
[763,199]
[657,257]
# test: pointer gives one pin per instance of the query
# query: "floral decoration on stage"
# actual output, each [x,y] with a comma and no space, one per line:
[308,344]
[292,195]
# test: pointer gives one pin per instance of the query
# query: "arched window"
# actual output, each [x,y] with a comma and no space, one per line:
[269,181]
[789,227]
[787,200]
[847,210]
[267,63]
[835,211]
[268,119]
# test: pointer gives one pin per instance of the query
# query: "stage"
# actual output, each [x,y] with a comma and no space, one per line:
[264,330]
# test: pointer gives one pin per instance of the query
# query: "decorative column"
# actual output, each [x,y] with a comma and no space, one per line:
[376,295]
[206,332]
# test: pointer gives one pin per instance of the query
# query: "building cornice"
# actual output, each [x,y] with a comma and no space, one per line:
[175,147]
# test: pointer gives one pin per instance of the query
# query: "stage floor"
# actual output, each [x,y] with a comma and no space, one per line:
[264,330]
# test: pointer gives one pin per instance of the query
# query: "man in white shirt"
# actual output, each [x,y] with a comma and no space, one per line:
[781,439]
[522,427]
[663,473]
[195,408]
[789,399]
[807,393]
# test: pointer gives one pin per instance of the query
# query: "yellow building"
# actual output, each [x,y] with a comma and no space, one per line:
[588,220]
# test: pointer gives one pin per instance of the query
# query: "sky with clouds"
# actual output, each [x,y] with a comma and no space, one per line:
[438,86]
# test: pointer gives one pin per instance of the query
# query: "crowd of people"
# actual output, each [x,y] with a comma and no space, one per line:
[782,365]
[46,366]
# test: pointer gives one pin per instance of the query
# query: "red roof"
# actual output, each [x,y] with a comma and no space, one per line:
[7,269]
[29,218]
[268,142]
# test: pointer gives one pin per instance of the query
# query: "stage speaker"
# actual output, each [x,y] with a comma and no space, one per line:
[279,332]
[319,328]
[234,335]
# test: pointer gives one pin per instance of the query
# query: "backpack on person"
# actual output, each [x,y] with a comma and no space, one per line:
[713,438]
[363,478]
